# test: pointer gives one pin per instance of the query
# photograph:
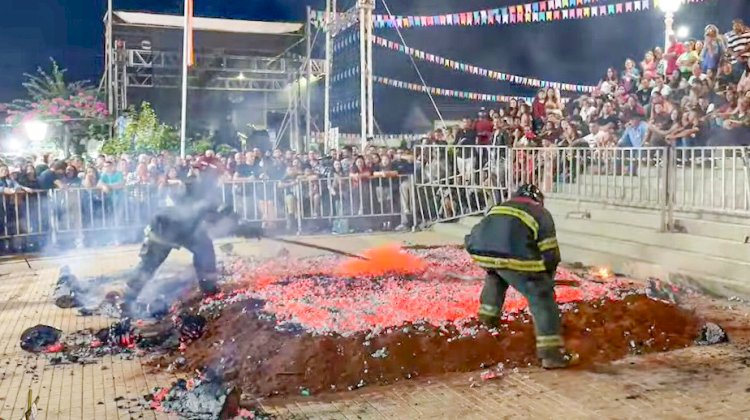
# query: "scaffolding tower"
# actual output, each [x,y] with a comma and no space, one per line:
[143,52]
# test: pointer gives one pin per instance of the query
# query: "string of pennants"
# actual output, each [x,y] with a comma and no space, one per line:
[541,11]
[474,96]
[345,74]
[345,106]
[470,69]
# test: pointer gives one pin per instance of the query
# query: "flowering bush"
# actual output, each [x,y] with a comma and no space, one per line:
[73,108]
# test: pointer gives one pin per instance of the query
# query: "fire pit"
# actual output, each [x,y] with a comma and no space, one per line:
[306,326]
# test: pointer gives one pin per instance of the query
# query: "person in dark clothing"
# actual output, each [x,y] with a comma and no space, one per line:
[516,244]
[52,178]
[186,225]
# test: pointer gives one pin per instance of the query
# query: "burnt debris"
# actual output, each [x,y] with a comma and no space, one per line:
[40,338]
[711,334]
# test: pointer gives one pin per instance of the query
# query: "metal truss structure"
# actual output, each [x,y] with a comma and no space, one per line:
[139,68]
[335,23]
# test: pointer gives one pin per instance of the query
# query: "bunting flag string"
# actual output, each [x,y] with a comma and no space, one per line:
[542,11]
[470,69]
[473,96]
[535,12]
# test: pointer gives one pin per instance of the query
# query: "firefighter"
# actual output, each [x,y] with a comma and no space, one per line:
[186,226]
[515,243]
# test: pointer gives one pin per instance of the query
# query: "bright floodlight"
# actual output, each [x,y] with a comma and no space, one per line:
[683,32]
[670,6]
[241,76]
[36,130]
[13,144]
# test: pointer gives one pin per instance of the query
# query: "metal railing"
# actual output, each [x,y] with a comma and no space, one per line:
[456,181]
[620,176]
[92,216]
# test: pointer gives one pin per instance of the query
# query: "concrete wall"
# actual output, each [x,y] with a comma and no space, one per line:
[708,251]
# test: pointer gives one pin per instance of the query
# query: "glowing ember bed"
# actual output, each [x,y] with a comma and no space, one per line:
[300,326]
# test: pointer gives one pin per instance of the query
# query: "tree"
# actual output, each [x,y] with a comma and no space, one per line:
[143,133]
[72,109]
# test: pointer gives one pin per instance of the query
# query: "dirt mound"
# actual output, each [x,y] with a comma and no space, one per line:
[272,362]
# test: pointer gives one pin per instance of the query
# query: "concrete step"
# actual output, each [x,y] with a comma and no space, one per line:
[604,213]
[685,242]
[454,230]
[704,245]
[734,232]
[723,272]
[644,269]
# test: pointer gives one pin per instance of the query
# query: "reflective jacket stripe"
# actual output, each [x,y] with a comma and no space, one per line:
[509,263]
[546,341]
[489,310]
[521,215]
[547,244]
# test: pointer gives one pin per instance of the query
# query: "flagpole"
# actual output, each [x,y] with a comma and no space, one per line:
[185,62]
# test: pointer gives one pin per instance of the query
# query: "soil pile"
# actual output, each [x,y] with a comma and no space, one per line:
[270,362]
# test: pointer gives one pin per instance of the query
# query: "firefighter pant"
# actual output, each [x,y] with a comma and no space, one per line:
[153,254]
[539,291]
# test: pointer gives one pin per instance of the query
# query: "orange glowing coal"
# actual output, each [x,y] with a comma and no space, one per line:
[603,273]
[388,259]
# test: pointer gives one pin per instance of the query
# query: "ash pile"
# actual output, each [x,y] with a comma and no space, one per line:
[120,338]
[102,295]
[206,397]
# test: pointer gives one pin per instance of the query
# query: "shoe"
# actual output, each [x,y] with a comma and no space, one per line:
[557,358]
[208,287]
[489,321]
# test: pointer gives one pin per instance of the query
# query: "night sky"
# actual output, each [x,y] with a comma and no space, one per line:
[71,31]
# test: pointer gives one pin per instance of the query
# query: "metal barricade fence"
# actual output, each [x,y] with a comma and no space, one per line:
[92,216]
[623,176]
[313,203]
[456,181]
[715,180]
[24,215]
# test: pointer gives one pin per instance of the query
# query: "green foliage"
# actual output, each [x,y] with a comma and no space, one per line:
[144,133]
[73,110]
[199,146]
[46,86]
[225,149]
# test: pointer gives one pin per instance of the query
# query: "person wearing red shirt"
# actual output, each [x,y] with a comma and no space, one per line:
[673,52]
[538,110]
[483,128]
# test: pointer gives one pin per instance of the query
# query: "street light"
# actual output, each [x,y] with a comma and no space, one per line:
[13,144]
[36,130]
[669,7]
[683,32]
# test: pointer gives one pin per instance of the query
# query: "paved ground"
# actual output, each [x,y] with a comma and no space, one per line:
[697,382]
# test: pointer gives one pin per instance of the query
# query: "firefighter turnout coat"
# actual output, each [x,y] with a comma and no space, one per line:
[517,235]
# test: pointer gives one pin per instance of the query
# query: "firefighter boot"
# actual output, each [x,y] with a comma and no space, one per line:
[557,358]
[208,286]
[489,321]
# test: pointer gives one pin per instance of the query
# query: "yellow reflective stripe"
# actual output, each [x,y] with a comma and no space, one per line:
[547,244]
[549,341]
[526,218]
[509,263]
[489,310]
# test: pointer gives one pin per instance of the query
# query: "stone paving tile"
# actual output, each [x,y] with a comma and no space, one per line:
[64,391]
[693,383]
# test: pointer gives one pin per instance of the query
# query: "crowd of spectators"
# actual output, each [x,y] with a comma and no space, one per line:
[342,191]
[696,93]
